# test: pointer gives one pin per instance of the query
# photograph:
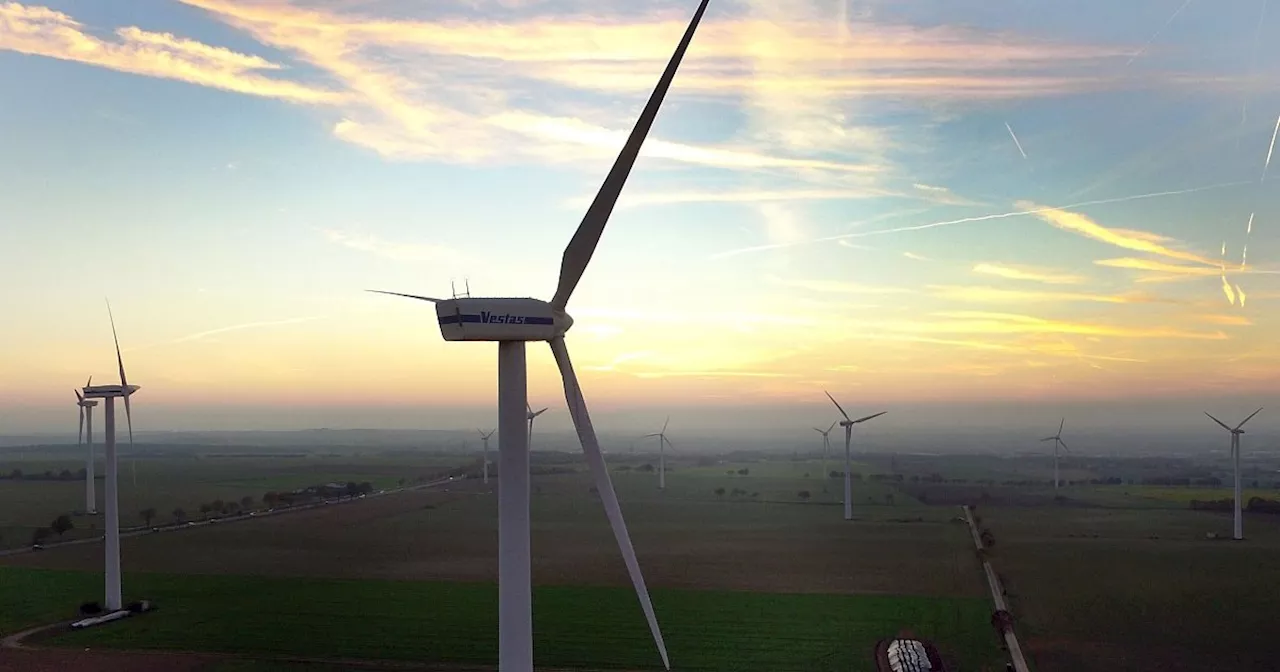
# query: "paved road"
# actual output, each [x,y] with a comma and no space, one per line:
[253,515]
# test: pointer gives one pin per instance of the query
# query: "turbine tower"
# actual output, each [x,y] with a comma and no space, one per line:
[485,438]
[512,322]
[826,446]
[1057,443]
[531,415]
[86,423]
[663,441]
[1237,527]
[848,464]
[109,393]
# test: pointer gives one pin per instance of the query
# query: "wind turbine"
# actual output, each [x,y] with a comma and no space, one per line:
[512,322]
[1237,528]
[826,446]
[531,415]
[662,455]
[485,438]
[110,393]
[86,422]
[1057,441]
[848,465]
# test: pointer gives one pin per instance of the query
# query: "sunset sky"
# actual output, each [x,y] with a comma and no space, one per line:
[928,202]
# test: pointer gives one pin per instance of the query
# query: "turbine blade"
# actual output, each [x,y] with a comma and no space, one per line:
[1048,438]
[649,436]
[1248,418]
[869,417]
[80,436]
[89,382]
[664,425]
[819,430]
[833,426]
[670,446]
[1060,425]
[1064,445]
[537,413]
[79,397]
[407,296]
[604,486]
[1224,425]
[583,244]
[124,382]
[833,400]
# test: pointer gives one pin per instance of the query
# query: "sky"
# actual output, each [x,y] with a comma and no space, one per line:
[977,206]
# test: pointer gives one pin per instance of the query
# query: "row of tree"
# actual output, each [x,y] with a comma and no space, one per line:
[1254,505]
[46,475]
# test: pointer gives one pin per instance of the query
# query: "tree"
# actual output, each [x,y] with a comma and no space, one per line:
[806,474]
[62,524]
[65,475]
[39,535]
[401,482]
[888,498]
[218,506]
[180,515]
[16,474]
[147,514]
[246,502]
[271,498]
[206,509]
[744,471]
[804,495]
[719,492]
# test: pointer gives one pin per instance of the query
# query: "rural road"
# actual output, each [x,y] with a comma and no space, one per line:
[252,515]
[997,596]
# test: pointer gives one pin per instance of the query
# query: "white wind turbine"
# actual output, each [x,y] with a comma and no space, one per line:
[663,441]
[531,414]
[826,446]
[1237,527]
[512,322]
[848,464]
[485,438]
[86,437]
[109,393]
[1057,443]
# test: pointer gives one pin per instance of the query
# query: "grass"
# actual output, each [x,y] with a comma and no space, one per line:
[575,626]
[1139,589]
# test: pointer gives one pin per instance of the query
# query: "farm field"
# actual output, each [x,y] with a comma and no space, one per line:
[1138,589]
[576,626]
[168,483]
[741,581]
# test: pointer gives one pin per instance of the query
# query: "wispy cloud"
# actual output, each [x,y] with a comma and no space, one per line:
[392,250]
[995,295]
[201,335]
[1011,272]
[1123,238]
[630,199]
[835,286]
[41,31]
[976,322]
[916,257]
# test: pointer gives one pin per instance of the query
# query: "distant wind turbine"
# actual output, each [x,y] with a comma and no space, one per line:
[112,500]
[663,441]
[848,464]
[86,437]
[1057,442]
[826,446]
[530,415]
[1237,528]
[512,322]
[485,438]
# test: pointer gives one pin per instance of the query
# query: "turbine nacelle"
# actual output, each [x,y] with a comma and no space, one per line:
[106,391]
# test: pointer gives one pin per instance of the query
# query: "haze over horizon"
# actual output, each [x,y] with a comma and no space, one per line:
[986,214]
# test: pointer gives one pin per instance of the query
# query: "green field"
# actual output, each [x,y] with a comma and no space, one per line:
[575,626]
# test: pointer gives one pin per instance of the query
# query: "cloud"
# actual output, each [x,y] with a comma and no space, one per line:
[40,31]
[913,255]
[1123,238]
[1030,274]
[1226,320]
[836,287]
[392,250]
[668,197]
[976,322]
[994,295]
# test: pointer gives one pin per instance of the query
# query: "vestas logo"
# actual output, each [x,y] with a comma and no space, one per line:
[487,317]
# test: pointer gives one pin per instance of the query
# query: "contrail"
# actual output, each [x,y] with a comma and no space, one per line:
[981,218]
[1015,140]
[1156,34]
[1270,149]
[221,330]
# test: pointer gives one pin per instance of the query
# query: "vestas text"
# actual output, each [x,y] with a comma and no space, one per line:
[487,317]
